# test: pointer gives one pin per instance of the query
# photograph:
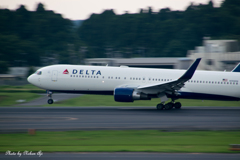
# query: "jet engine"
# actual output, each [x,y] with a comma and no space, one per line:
[129,95]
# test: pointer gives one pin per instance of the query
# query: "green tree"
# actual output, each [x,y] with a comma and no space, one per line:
[4,67]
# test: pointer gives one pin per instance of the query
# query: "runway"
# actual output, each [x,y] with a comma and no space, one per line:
[18,119]
[127,155]
[43,99]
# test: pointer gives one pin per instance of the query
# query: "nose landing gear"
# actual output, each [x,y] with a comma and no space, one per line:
[50,100]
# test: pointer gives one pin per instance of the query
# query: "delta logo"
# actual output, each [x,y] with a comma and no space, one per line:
[65,72]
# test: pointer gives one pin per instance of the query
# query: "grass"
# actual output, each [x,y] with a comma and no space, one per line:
[116,141]
[10,94]
[8,99]
[22,88]
[103,100]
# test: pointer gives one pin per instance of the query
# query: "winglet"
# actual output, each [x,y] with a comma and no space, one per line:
[191,70]
[237,68]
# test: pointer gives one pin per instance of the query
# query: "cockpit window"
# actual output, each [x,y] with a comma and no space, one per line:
[38,72]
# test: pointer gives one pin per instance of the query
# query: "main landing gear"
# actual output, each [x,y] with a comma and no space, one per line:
[50,100]
[169,106]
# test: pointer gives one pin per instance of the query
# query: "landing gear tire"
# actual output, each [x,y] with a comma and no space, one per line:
[160,106]
[177,105]
[49,94]
[50,101]
[169,106]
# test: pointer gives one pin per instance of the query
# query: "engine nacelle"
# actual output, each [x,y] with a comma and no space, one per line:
[129,95]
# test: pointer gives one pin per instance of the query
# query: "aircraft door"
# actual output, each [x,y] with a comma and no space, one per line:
[54,76]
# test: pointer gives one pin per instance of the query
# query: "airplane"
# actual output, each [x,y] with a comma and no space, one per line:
[237,68]
[128,84]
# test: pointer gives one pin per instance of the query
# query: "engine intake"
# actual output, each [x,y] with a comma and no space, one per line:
[129,95]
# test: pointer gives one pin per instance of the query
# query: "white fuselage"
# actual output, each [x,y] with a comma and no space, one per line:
[103,80]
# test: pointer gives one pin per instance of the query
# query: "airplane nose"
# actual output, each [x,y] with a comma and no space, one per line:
[30,79]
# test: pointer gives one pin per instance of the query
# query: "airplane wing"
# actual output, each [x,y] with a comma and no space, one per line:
[237,68]
[171,86]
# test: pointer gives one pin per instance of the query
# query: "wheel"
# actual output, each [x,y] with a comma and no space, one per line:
[178,105]
[169,106]
[50,101]
[160,106]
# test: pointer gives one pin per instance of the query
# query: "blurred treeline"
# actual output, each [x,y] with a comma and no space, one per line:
[163,34]
[29,38]
[43,37]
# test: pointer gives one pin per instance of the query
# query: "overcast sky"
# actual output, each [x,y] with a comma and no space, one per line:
[82,9]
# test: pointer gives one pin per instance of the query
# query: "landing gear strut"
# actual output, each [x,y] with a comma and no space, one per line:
[169,105]
[50,100]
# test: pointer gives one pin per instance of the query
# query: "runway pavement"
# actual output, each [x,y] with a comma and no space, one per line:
[17,119]
[126,156]
[43,99]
